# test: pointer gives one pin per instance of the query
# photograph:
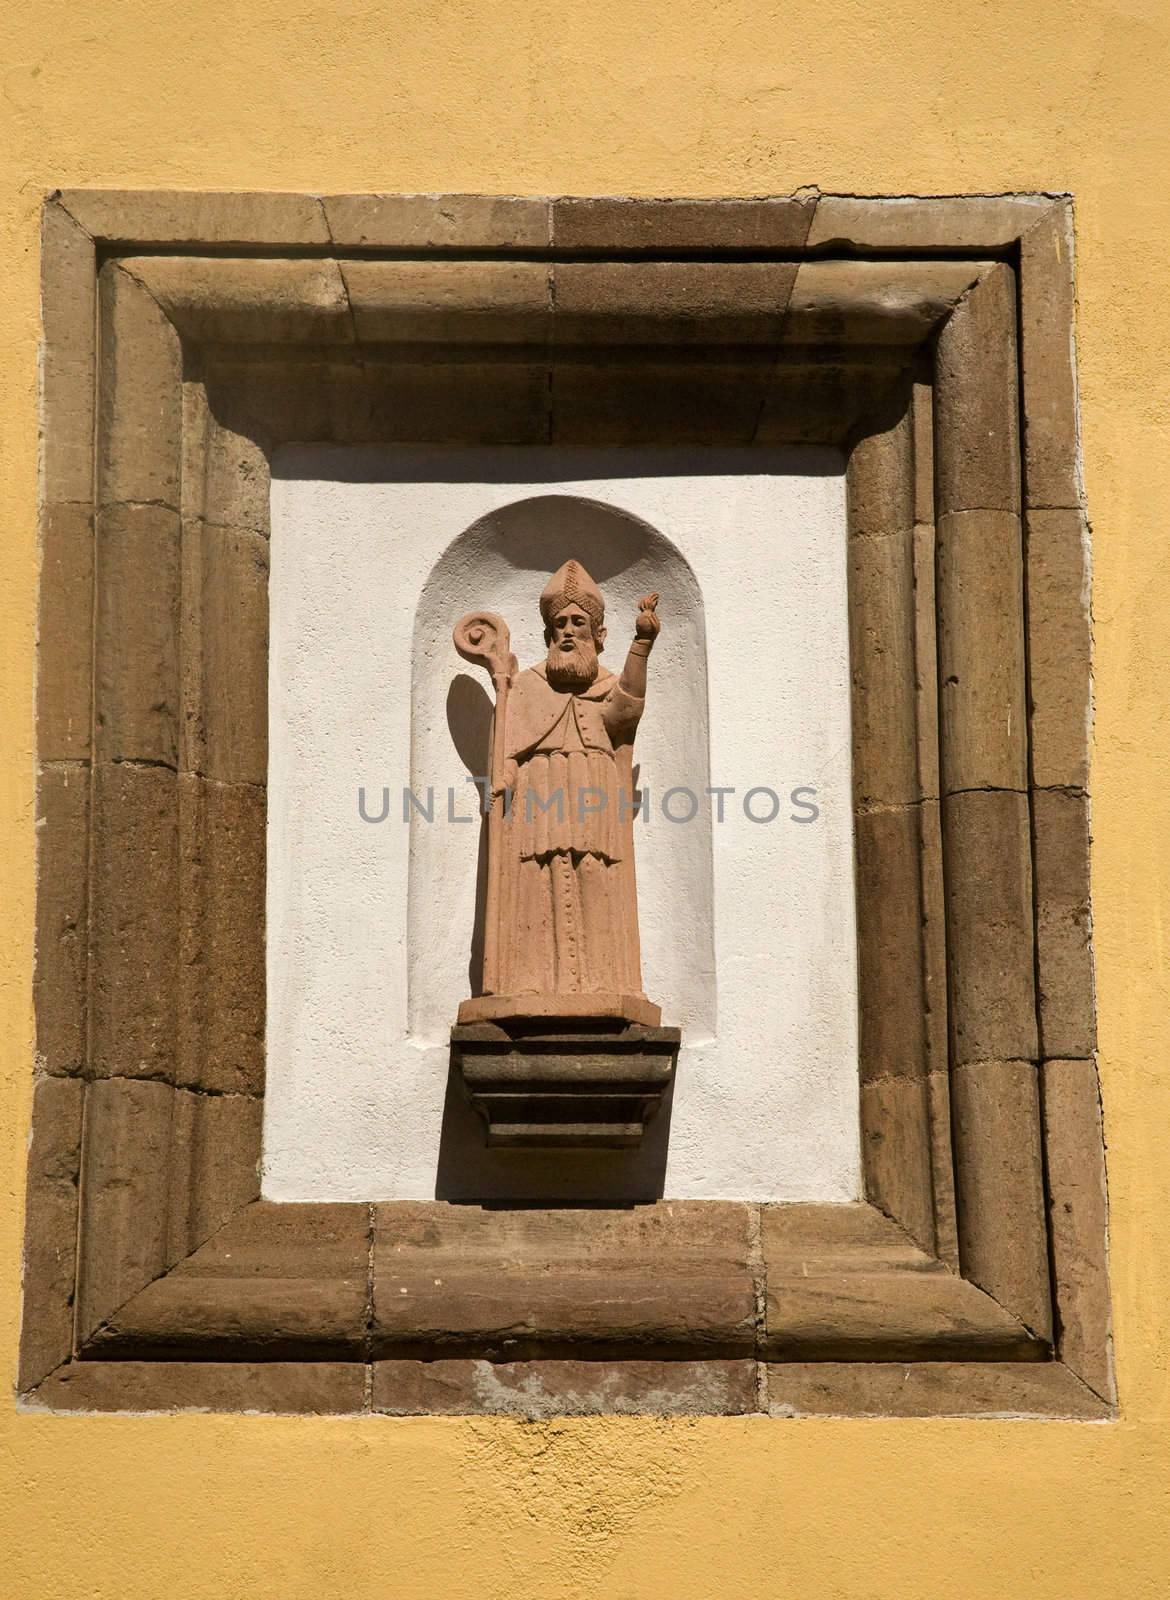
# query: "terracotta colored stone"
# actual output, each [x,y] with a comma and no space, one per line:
[947,222]
[540,1389]
[248,300]
[126,1165]
[62,868]
[222,980]
[50,1234]
[650,225]
[875,302]
[225,596]
[438,221]
[140,412]
[897,1154]
[1000,1187]
[983,715]
[277,1278]
[882,626]
[1063,924]
[136,663]
[166,216]
[671,302]
[1059,643]
[314,1388]
[674,1276]
[135,919]
[707,400]
[929,1389]
[65,657]
[889,944]
[992,998]
[1048,361]
[977,463]
[494,302]
[67,358]
[1075,1165]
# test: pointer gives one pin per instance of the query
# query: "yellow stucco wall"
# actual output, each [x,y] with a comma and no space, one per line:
[701,97]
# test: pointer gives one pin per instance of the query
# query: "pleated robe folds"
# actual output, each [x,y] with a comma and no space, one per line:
[567,898]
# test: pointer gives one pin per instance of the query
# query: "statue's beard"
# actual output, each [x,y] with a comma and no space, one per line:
[572,670]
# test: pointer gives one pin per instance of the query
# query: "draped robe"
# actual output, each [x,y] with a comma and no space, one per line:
[568,903]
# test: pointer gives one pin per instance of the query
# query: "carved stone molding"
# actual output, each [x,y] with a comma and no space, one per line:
[185,335]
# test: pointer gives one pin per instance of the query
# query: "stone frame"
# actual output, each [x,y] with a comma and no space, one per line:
[186,334]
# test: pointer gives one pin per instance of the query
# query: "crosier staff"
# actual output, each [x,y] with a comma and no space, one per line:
[482,638]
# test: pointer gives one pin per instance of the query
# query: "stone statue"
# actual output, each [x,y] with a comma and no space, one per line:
[561,920]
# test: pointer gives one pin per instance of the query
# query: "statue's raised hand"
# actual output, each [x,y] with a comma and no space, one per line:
[646,624]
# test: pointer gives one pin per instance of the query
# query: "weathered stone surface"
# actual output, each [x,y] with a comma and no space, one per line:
[882,626]
[880,480]
[648,401]
[50,1234]
[62,868]
[992,1002]
[673,1275]
[875,302]
[134,921]
[819,1239]
[67,359]
[1000,1187]
[215,1165]
[435,402]
[977,463]
[222,994]
[65,656]
[671,302]
[922,414]
[942,1155]
[497,302]
[829,401]
[1063,925]
[127,1146]
[136,661]
[279,1278]
[928,1389]
[896,1153]
[536,1389]
[247,300]
[889,944]
[911,222]
[167,216]
[1059,643]
[225,594]
[1048,360]
[983,713]
[1075,1164]
[325,1388]
[139,432]
[236,481]
[926,658]
[649,225]
[438,221]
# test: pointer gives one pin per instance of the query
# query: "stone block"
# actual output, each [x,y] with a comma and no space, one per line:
[295,1388]
[140,414]
[65,630]
[1063,924]
[438,221]
[976,400]
[929,1389]
[875,302]
[136,660]
[883,669]
[671,302]
[880,481]
[947,222]
[604,225]
[1048,360]
[896,1153]
[889,944]
[67,358]
[134,921]
[249,300]
[708,400]
[983,709]
[1000,1187]
[226,609]
[1059,645]
[50,1235]
[62,870]
[473,302]
[168,216]
[215,1165]
[992,1001]
[536,1390]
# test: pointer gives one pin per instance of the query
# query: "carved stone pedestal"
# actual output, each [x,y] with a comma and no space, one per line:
[587,1083]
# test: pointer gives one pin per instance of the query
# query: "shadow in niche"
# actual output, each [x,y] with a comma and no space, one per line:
[469,721]
[469,1171]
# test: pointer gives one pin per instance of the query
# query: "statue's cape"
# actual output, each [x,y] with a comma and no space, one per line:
[605,713]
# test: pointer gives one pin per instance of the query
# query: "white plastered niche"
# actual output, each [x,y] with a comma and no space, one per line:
[748,938]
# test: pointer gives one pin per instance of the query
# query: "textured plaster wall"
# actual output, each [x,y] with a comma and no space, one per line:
[689,98]
[747,927]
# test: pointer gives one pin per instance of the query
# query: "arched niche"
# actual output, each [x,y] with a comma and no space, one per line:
[501,563]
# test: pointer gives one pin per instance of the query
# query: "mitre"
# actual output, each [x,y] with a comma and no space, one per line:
[572,585]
